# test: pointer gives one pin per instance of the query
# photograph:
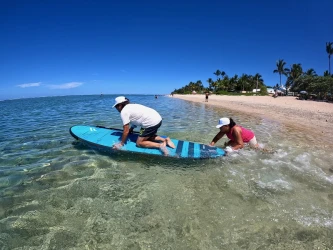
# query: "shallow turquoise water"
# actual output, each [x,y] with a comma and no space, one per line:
[58,194]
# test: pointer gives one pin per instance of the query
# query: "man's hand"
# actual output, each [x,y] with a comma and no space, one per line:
[118,145]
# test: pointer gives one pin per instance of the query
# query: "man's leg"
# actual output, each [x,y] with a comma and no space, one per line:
[144,142]
[162,139]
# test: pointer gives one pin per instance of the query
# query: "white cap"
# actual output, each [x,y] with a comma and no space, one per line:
[223,121]
[119,99]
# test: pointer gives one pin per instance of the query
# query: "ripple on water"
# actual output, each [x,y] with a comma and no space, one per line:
[53,190]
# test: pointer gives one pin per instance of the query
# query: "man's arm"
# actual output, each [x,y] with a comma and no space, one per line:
[132,128]
[125,134]
[123,137]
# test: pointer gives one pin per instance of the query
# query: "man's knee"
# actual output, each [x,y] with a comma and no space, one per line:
[139,141]
[152,138]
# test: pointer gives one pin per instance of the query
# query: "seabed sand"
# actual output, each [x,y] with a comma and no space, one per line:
[311,117]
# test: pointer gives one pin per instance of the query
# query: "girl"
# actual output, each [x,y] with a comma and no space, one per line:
[237,135]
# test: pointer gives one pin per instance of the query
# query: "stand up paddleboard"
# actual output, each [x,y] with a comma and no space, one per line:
[104,138]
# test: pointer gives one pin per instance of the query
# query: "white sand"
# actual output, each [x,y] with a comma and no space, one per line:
[312,117]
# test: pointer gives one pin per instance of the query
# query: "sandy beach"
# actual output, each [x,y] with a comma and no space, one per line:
[312,117]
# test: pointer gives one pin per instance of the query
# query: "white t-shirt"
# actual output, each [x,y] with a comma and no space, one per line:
[140,115]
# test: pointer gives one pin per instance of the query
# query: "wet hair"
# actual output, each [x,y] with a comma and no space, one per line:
[232,123]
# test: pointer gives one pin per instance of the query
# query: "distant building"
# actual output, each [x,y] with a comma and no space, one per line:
[270,91]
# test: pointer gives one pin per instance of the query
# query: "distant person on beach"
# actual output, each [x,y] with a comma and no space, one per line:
[275,92]
[207,97]
[237,135]
[147,118]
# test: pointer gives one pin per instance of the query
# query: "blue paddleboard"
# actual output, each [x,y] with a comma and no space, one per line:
[104,138]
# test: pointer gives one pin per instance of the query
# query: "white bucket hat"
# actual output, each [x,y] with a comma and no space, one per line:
[119,99]
[223,121]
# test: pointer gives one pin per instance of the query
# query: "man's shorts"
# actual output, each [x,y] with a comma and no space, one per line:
[151,131]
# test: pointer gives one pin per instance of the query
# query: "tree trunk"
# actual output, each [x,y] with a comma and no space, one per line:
[257,85]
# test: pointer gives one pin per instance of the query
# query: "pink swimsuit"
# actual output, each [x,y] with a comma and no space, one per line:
[247,135]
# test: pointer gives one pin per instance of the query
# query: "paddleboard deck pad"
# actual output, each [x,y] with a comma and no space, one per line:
[104,138]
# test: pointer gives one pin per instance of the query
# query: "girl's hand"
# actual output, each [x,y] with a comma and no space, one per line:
[229,149]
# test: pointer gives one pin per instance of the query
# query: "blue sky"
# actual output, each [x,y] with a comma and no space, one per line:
[152,47]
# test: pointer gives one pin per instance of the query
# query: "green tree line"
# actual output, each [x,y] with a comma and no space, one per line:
[297,80]
[224,83]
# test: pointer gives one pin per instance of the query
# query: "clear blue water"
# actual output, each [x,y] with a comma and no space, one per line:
[58,194]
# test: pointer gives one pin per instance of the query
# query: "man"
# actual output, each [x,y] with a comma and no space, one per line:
[147,118]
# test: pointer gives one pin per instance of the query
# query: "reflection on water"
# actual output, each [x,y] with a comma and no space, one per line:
[57,194]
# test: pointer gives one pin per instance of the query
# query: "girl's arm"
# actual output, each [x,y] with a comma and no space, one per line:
[216,138]
[238,143]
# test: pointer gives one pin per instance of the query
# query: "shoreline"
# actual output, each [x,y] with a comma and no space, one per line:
[312,117]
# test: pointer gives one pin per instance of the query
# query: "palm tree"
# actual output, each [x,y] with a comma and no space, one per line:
[311,72]
[295,72]
[329,50]
[210,82]
[191,86]
[257,78]
[214,85]
[233,83]
[280,68]
[217,73]
[222,73]
[199,86]
[244,81]
[224,83]
[326,73]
